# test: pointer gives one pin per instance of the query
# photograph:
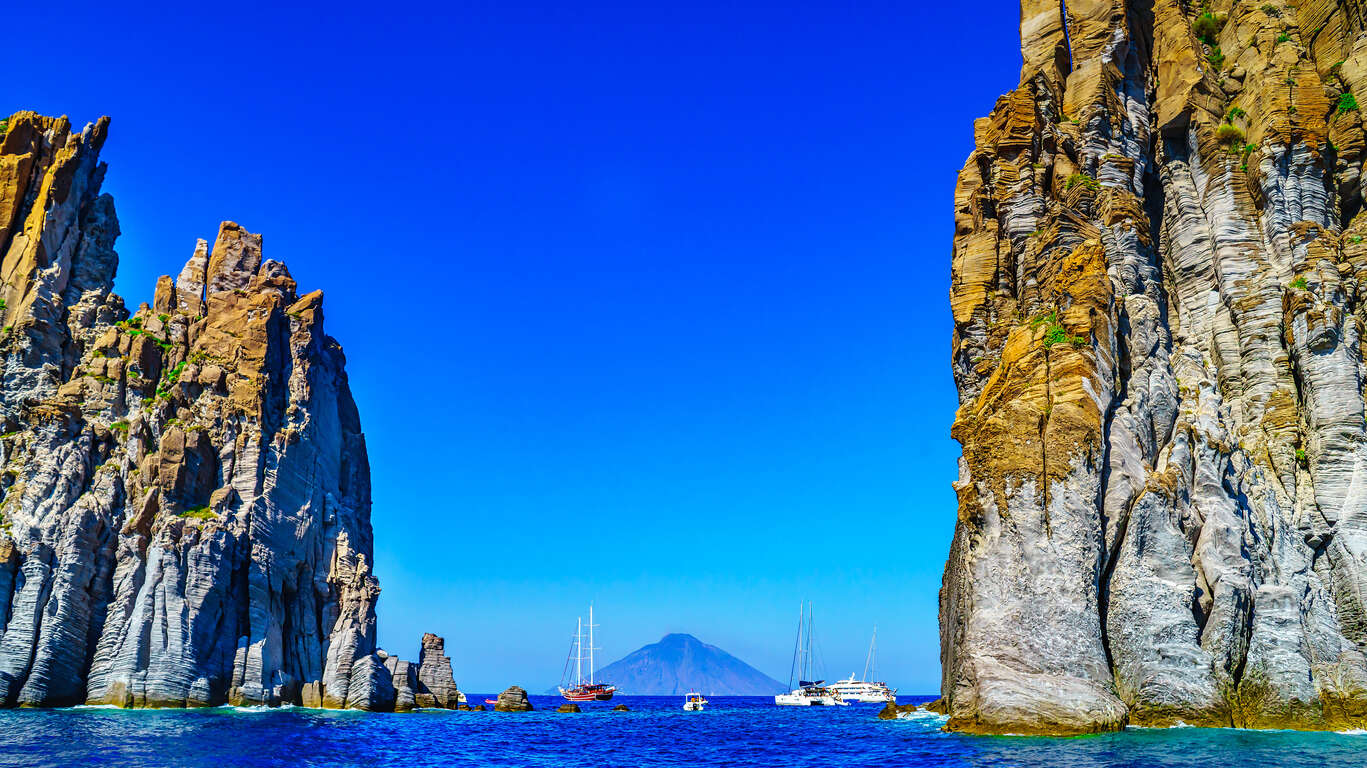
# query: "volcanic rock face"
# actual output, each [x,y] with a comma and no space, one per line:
[1158,351]
[184,493]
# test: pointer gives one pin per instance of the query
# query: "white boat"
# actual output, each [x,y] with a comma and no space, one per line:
[863,689]
[694,702]
[808,693]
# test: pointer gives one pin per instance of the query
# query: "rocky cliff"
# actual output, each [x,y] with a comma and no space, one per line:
[184,493]
[1158,347]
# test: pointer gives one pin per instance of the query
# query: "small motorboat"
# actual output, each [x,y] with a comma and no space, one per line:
[491,701]
[694,702]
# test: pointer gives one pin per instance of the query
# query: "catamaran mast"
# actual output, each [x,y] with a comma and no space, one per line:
[811,623]
[796,667]
[868,662]
[591,625]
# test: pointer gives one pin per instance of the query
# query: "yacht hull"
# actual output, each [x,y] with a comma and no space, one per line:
[797,699]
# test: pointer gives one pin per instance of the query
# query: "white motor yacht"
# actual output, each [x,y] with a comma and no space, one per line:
[863,689]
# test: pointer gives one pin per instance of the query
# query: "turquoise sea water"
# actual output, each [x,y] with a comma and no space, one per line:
[731,732]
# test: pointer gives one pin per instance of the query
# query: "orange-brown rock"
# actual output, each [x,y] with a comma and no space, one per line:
[1158,246]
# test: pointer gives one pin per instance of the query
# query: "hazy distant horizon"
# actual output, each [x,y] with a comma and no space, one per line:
[663,285]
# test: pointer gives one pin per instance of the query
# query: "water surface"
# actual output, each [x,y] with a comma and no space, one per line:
[731,732]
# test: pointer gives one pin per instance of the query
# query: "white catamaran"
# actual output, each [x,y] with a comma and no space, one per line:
[809,693]
[862,688]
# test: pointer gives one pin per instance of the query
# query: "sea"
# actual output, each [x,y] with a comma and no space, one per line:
[732,731]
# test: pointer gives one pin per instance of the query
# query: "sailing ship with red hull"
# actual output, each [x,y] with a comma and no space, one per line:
[580,689]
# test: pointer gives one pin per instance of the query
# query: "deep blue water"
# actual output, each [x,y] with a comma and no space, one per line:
[732,732]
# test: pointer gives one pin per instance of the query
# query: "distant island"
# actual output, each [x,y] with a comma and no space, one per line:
[680,663]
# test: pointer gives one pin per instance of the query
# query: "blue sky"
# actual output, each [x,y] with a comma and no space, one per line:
[642,305]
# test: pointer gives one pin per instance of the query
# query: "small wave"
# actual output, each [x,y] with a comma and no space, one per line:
[924,716]
[95,706]
[1353,732]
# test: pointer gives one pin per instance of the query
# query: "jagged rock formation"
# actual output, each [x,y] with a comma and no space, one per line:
[1158,249]
[436,686]
[184,492]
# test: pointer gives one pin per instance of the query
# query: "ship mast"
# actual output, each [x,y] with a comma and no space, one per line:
[591,649]
[579,653]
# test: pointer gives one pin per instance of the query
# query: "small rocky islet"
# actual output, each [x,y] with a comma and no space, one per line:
[1158,347]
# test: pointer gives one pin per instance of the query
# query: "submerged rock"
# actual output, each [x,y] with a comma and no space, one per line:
[1157,339]
[892,711]
[621,708]
[513,700]
[568,707]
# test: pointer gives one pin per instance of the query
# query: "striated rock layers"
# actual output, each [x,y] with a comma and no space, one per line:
[1158,346]
[184,493]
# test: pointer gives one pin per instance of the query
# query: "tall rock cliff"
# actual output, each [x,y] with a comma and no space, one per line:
[184,493]
[1158,346]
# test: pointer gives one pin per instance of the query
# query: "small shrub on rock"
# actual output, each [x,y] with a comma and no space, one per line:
[1230,135]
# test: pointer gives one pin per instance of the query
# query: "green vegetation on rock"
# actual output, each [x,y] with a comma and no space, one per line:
[1207,26]
[201,512]
[1084,180]
[1230,135]
[1054,332]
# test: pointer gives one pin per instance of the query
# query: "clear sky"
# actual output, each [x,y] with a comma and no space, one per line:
[642,304]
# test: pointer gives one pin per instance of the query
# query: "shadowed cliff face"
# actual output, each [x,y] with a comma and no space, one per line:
[185,508]
[1158,350]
